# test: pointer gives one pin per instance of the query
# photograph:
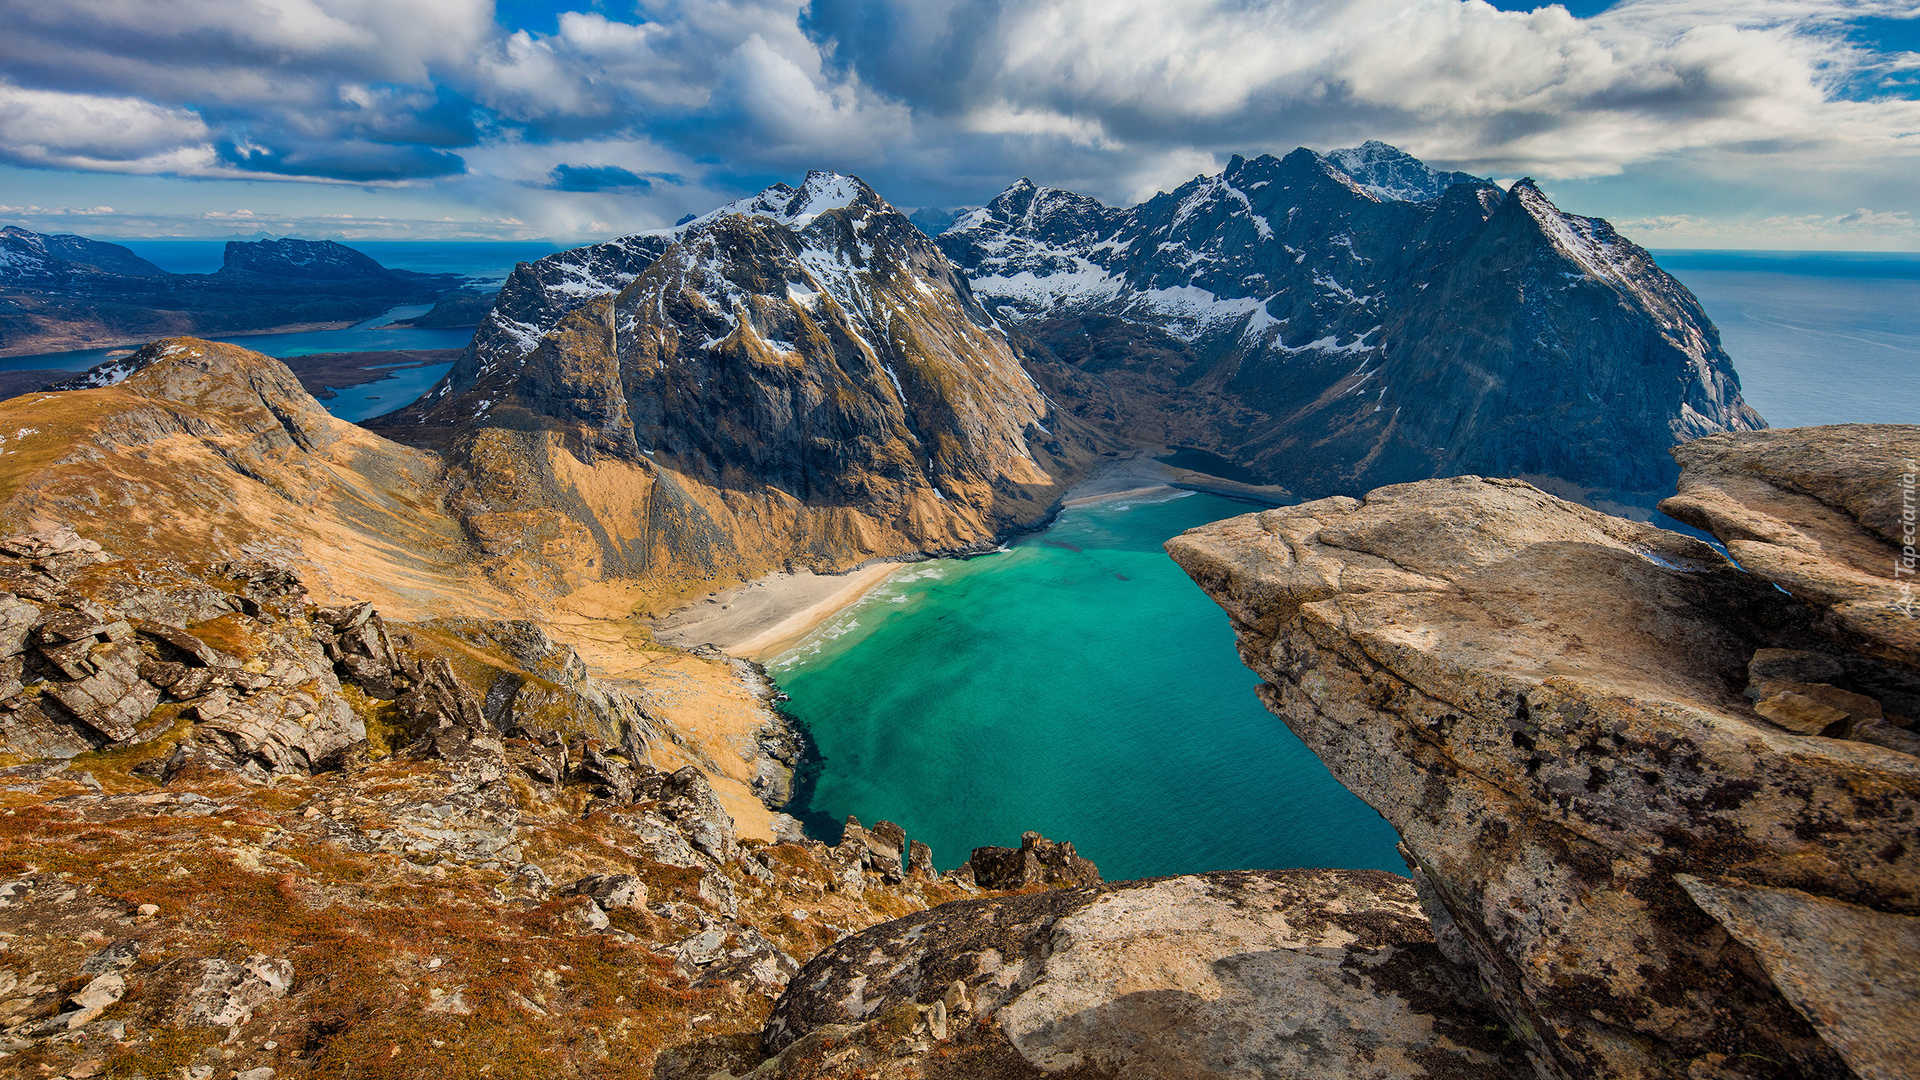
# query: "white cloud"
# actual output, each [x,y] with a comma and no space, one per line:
[1862,230]
[945,100]
[103,134]
[1460,83]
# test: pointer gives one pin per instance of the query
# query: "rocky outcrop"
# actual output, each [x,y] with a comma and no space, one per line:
[1339,322]
[445,905]
[1653,874]
[68,292]
[1037,861]
[231,669]
[1301,973]
[1827,514]
[207,452]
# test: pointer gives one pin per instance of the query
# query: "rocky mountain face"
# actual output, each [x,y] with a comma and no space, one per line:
[1391,173]
[68,292]
[1305,317]
[801,377]
[1662,807]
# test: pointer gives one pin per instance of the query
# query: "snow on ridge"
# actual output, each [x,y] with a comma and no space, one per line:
[1579,238]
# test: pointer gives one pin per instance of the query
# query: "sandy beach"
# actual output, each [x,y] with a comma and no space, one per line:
[764,617]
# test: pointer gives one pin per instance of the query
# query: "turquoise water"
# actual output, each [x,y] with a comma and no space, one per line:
[1077,684]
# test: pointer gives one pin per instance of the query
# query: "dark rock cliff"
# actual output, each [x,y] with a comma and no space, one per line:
[1302,317]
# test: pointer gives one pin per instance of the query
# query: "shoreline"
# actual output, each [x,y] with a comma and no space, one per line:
[760,619]
[789,631]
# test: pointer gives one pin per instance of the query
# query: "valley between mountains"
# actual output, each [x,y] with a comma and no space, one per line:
[349,750]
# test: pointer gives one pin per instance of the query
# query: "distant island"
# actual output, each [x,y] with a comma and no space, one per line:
[61,292]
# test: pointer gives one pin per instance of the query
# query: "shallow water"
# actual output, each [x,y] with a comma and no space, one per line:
[1077,684]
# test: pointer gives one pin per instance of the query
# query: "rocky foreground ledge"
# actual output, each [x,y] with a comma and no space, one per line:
[1663,806]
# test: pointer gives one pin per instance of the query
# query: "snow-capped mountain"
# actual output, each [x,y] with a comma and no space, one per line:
[1331,322]
[28,257]
[1392,173]
[1285,309]
[806,350]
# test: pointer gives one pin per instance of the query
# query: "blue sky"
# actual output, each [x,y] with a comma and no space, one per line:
[1690,123]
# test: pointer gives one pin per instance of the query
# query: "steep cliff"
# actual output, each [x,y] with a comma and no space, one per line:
[798,378]
[1664,808]
[1341,322]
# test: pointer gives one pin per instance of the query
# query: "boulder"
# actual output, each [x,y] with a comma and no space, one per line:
[1297,973]
[226,993]
[689,801]
[1037,861]
[1827,513]
[1550,706]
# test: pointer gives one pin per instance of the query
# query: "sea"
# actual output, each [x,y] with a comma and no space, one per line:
[1075,683]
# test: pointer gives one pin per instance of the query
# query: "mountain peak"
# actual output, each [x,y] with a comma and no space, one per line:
[25,254]
[1391,173]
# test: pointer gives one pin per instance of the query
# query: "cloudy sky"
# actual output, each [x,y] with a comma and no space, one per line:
[1694,123]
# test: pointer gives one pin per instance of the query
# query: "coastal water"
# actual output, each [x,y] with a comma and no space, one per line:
[1077,684]
[1817,337]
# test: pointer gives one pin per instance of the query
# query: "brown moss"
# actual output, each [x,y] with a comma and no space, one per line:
[232,634]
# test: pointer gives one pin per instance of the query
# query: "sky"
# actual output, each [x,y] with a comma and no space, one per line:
[1689,123]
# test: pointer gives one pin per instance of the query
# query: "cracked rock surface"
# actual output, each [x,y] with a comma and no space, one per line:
[1558,711]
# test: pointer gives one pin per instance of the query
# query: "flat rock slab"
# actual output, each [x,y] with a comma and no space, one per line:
[1274,973]
[1849,970]
[1549,705]
[1827,513]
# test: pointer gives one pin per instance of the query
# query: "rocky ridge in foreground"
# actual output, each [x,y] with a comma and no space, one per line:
[242,832]
[1665,809]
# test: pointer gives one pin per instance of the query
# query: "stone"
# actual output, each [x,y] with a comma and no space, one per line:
[585,915]
[1547,703]
[920,861]
[228,993]
[693,807]
[1848,969]
[788,830]
[1801,714]
[1792,665]
[1037,861]
[1816,511]
[115,957]
[611,891]
[17,620]
[886,843]
[101,991]
[1296,973]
